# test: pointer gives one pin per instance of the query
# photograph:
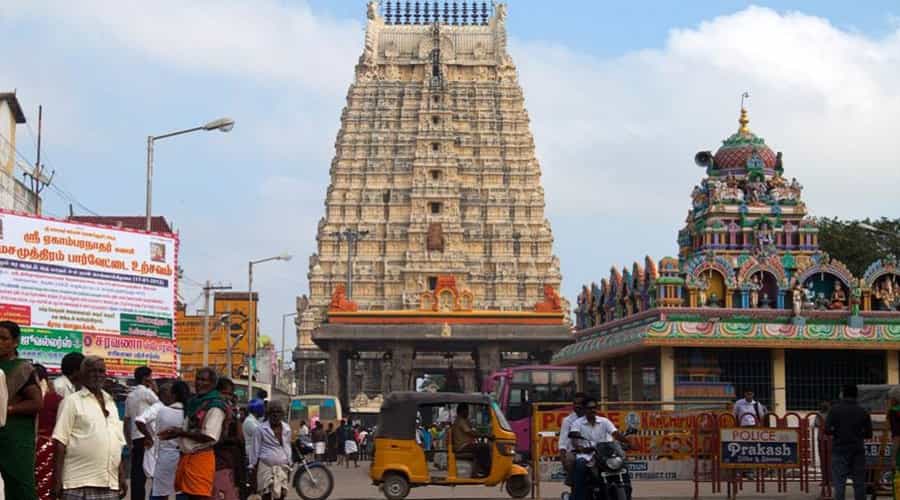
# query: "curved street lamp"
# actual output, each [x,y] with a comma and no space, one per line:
[222,125]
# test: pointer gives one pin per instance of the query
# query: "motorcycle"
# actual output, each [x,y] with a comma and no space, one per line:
[607,474]
[312,480]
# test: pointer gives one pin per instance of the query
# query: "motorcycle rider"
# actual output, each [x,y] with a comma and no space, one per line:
[566,453]
[593,430]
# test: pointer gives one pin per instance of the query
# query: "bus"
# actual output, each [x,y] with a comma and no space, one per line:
[516,388]
[310,408]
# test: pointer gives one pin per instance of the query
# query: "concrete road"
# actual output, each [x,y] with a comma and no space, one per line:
[353,483]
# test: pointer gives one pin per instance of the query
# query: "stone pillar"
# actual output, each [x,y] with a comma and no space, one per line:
[604,393]
[469,383]
[403,367]
[387,373]
[893,367]
[488,362]
[333,384]
[581,377]
[667,376]
[779,382]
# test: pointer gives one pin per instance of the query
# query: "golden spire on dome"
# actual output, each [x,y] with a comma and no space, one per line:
[743,120]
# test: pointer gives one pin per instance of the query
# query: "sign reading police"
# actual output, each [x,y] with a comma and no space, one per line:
[747,447]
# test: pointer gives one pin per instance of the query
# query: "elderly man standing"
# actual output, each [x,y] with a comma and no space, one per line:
[89,441]
[204,416]
[270,455]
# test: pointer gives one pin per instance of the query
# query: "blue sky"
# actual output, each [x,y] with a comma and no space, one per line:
[620,98]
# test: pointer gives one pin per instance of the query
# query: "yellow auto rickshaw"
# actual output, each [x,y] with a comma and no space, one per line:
[415,446]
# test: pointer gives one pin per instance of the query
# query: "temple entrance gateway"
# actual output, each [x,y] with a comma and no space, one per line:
[374,353]
[434,175]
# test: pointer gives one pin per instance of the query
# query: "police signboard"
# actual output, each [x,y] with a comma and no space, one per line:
[752,447]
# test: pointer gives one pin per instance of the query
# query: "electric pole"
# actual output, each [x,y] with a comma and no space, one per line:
[38,180]
[208,287]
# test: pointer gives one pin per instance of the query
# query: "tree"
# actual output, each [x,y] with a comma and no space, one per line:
[856,246]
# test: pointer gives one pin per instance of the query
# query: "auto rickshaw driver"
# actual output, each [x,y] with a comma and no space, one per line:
[466,442]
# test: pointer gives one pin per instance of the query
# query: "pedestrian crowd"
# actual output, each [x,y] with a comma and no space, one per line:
[340,445]
[65,439]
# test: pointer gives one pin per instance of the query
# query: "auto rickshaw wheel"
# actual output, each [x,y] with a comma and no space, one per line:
[518,486]
[395,486]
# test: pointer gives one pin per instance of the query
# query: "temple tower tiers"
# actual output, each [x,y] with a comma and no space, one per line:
[435,167]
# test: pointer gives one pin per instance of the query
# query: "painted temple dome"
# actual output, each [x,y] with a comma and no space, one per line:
[744,150]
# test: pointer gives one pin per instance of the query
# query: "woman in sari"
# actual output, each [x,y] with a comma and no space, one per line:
[17,438]
[46,450]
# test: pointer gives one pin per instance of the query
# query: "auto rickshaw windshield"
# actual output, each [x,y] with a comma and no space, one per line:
[501,418]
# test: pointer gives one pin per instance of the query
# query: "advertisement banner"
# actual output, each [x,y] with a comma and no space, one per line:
[63,280]
[84,278]
[662,448]
[47,347]
[751,447]
[123,354]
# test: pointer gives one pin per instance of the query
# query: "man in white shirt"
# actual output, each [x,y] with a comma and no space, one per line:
[270,455]
[89,441]
[748,412]
[67,383]
[594,430]
[141,397]
[566,456]
[166,453]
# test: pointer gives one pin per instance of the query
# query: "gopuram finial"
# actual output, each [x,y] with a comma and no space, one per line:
[744,121]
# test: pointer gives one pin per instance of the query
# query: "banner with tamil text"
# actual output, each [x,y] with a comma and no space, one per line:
[122,354]
[62,279]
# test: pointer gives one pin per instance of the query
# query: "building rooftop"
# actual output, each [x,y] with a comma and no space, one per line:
[13,102]
[158,224]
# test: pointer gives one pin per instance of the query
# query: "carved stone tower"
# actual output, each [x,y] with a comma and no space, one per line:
[434,170]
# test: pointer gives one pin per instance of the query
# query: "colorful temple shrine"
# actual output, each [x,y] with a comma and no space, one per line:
[751,302]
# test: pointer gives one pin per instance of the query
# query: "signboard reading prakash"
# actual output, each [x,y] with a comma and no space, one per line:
[63,280]
[752,447]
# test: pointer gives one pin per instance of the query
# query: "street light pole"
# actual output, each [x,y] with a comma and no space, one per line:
[251,327]
[284,317]
[222,125]
[208,287]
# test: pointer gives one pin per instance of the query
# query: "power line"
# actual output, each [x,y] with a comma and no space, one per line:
[56,186]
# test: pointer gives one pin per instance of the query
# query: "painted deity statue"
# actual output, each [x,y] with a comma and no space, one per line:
[887,293]
[855,299]
[838,298]
[765,241]
[755,287]
[810,297]
[797,296]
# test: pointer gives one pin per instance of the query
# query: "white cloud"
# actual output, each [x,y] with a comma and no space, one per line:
[264,40]
[617,136]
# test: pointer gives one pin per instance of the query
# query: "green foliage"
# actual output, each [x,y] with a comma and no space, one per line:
[856,246]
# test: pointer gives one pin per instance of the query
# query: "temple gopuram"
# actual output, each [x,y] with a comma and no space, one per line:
[434,256]
[750,303]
